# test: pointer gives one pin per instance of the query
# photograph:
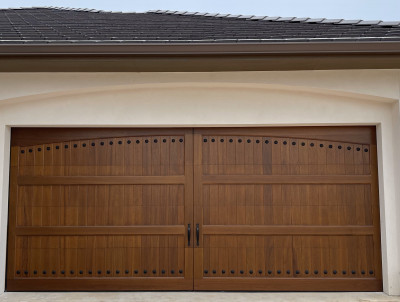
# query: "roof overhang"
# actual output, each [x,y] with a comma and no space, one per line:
[108,57]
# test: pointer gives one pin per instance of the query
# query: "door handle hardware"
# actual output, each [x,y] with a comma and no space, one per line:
[188,234]
[197,234]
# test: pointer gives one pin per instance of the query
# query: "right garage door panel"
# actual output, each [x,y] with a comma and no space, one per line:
[287,209]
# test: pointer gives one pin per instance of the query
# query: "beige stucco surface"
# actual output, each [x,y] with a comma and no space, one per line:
[366,97]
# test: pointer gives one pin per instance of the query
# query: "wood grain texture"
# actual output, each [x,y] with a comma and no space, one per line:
[287,209]
[283,208]
[100,210]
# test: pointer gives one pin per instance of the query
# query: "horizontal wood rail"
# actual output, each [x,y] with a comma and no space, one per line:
[286,230]
[286,179]
[101,230]
[99,180]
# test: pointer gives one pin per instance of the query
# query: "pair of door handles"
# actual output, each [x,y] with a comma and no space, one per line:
[197,234]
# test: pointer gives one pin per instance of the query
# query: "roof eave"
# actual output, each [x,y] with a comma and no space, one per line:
[200,49]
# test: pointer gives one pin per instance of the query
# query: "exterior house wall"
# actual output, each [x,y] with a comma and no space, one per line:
[351,97]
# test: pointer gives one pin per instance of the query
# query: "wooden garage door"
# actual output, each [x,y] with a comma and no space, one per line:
[286,209]
[100,209]
[205,209]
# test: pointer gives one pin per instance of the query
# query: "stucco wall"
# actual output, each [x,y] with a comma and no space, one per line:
[215,99]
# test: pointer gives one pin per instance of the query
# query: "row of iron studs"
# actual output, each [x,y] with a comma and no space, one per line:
[35,272]
[284,142]
[353,272]
[102,144]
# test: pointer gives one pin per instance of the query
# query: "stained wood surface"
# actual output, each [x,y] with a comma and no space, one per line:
[284,208]
[287,209]
[100,211]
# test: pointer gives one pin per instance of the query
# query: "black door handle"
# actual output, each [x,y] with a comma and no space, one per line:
[188,233]
[197,234]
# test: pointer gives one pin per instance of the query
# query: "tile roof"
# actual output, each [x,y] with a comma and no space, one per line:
[81,26]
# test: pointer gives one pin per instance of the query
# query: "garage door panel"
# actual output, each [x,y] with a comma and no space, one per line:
[292,207]
[107,207]
[254,155]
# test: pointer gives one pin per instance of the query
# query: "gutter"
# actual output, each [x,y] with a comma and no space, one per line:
[201,49]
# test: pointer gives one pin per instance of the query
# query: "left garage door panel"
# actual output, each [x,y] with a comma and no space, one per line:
[105,211]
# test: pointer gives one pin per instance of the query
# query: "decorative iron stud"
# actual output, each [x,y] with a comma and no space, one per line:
[18,272]
[48,148]
[275,142]
[93,144]
[231,140]
[285,142]
[288,272]
[239,140]
[62,272]
[260,271]
[81,272]
[363,272]
[44,272]
[321,145]
[99,272]
[146,141]
[181,140]
[257,141]
[102,143]
[344,272]
[349,148]
[205,271]
[155,141]
[241,272]
[89,272]
[83,145]
[267,141]
[30,150]
[365,150]
[316,272]
[71,272]
[164,140]
[306,271]
[297,272]
[205,140]
[57,147]
[269,272]
[221,140]
[358,149]
[371,272]
[303,144]
[137,141]
[278,271]
[75,146]
[293,143]
[119,142]
[312,144]
[154,271]
[108,272]
[330,146]
[22,151]
[144,271]
[129,142]
[339,147]
[214,271]
[26,272]
[325,272]
[173,140]
[135,272]
[172,271]
[163,271]
[223,271]
[39,149]
[180,271]
[334,272]
[353,272]
[251,272]
[232,271]
[249,141]
[111,143]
